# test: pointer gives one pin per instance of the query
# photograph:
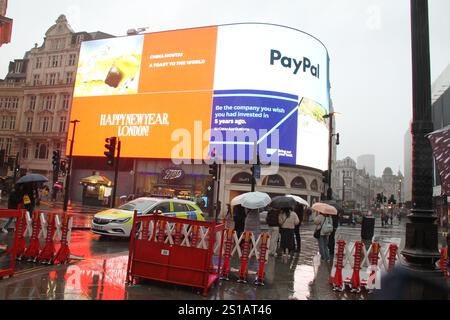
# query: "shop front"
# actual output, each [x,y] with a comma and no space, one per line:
[96,190]
[161,179]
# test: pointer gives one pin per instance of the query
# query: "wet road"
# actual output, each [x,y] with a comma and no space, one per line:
[101,275]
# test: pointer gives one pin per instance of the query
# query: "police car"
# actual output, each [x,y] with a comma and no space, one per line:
[119,222]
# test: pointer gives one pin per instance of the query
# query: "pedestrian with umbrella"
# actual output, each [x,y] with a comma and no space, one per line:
[288,219]
[324,227]
[29,185]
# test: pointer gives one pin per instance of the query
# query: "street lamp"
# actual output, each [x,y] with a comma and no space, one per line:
[69,167]
[330,116]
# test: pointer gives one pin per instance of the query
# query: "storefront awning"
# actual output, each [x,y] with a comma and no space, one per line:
[97,179]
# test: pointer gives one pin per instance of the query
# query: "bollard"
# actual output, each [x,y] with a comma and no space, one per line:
[356,281]
[243,272]
[178,228]
[47,254]
[374,257]
[227,254]
[393,248]
[338,283]
[443,261]
[262,259]
[63,254]
[21,227]
[32,252]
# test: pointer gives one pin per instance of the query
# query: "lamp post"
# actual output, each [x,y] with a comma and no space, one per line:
[421,245]
[330,118]
[343,188]
[69,167]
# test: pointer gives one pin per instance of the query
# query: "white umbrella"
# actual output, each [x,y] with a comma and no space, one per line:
[252,200]
[299,200]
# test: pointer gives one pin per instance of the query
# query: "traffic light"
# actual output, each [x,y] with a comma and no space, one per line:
[110,150]
[63,167]
[325,177]
[213,171]
[56,160]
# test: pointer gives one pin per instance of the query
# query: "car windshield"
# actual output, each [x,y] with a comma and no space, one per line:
[140,205]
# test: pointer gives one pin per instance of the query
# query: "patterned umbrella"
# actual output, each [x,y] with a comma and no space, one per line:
[440,142]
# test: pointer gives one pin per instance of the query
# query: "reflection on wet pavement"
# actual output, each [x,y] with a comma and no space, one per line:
[102,276]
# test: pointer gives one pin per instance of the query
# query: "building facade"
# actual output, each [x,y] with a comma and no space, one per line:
[36,95]
[367,162]
[441,119]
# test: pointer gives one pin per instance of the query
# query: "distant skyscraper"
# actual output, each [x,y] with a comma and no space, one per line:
[367,162]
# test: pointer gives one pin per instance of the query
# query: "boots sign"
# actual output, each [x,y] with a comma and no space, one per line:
[172,174]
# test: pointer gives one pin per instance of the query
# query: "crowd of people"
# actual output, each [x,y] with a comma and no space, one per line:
[24,195]
[284,228]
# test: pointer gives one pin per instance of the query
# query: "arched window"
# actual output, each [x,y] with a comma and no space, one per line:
[242,178]
[274,181]
[298,183]
[314,185]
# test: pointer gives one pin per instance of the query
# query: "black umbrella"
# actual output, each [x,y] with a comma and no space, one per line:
[281,202]
[36,178]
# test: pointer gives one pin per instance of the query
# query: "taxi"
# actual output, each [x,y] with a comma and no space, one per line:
[118,222]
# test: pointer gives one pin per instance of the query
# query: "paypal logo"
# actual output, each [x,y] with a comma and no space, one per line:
[296,65]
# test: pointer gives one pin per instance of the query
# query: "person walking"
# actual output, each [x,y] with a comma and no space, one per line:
[332,237]
[324,228]
[298,240]
[13,203]
[239,219]
[288,219]
[229,219]
[252,222]
[274,230]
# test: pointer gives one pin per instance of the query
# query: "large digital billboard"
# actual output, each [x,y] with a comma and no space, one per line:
[181,94]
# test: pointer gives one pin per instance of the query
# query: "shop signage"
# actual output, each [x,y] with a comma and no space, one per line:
[298,183]
[275,181]
[242,178]
[172,174]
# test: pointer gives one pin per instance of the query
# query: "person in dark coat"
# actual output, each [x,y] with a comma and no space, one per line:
[239,219]
[298,240]
[13,204]
[331,239]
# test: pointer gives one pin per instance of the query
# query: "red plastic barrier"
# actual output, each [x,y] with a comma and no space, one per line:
[227,254]
[374,257]
[243,271]
[393,249]
[12,250]
[48,252]
[337,281]
[262,259]
[20,230]
[356,281]
[63,255]
[32,251]
[443,261]
[184,263]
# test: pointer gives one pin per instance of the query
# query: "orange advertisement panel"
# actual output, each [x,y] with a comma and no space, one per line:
[144,123]
[179,61]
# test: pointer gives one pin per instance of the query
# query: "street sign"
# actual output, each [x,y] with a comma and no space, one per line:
[257,169]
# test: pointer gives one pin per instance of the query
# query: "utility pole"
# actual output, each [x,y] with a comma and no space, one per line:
[69,167]
[116,174]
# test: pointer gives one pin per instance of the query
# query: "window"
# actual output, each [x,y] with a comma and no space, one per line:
[72,59]
[180,207]
[41,151]
[66,101]
[29,124]
[38,64]
[62,124]
[18,68]
[8,145]
[12,123]
[32,104]
[53,61]
[36,80]
[45,124]
[14,103]
[191,208]
[25,151]
[69,77]
[51,79]
[163,208]
[4,122]
[49,102]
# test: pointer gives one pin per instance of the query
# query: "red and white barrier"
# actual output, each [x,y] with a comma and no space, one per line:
[443,262]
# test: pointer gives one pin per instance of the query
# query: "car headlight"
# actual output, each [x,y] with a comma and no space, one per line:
[124,220]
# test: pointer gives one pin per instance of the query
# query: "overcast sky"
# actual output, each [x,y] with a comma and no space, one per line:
[368,42]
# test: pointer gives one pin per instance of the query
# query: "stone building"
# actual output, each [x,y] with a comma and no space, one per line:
[36,95]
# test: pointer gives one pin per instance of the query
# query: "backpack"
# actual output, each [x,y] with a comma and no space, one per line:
[327,227]
[272,218]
